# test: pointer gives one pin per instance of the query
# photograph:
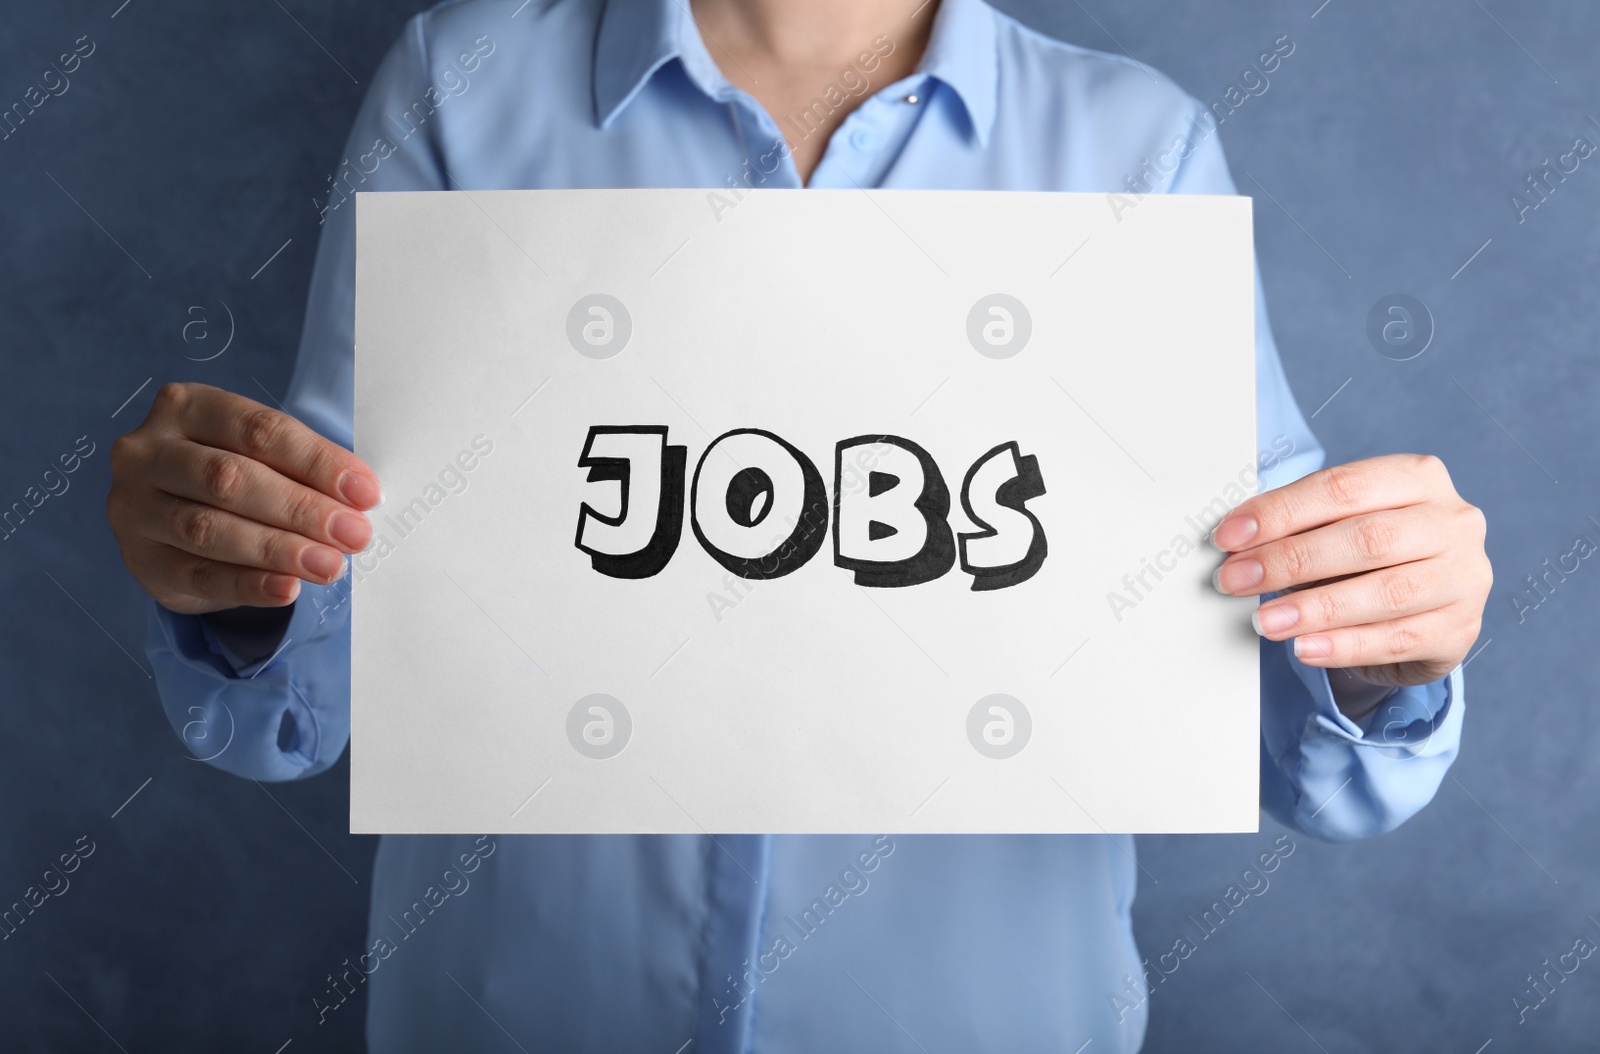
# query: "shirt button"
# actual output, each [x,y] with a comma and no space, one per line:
[860,139]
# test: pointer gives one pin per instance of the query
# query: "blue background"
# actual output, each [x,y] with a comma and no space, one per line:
[1382,157]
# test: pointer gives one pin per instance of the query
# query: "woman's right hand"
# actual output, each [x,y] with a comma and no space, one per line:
[220,502]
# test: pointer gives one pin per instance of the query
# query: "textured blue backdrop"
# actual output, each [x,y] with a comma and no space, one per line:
[1382,155]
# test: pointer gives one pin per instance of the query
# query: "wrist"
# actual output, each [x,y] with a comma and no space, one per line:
[1355,696]
[249,634]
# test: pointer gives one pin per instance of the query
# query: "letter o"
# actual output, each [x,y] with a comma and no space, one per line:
[747,483]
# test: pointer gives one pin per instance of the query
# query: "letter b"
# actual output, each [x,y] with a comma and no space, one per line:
[894,533]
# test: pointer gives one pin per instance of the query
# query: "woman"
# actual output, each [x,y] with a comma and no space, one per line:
[235,518]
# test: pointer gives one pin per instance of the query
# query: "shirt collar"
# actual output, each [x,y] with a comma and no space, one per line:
[963,54]
[637,37]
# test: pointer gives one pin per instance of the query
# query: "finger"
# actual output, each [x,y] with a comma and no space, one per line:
[194,583]
[1329,495]
[213,417]
[1350,547]
[217,534]
[1378,596]
[1375,644]
[230,481]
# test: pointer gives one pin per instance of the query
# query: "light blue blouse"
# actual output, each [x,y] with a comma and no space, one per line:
[688,944]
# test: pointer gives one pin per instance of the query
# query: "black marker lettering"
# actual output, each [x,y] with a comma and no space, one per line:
[1004,485]
[649,473]
[895,533]
[740,515]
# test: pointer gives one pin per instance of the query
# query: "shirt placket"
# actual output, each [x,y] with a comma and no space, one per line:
[863,149]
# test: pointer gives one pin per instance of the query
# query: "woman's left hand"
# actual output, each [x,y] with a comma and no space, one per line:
[1381,561]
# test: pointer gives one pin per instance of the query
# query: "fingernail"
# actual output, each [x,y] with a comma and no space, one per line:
[360,490]
[1312,647]
[284,587]
[1275,618]
[351,530]
[323,562]
[1234,533]
[1237,576]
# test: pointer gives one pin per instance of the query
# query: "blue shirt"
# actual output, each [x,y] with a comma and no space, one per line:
[757,943]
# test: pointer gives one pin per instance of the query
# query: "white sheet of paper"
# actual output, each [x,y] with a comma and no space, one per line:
[501,683]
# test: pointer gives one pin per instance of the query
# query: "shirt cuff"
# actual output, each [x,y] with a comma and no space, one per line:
[279,716]
[1403,721]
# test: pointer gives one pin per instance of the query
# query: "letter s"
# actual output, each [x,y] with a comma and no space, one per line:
[993,555]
